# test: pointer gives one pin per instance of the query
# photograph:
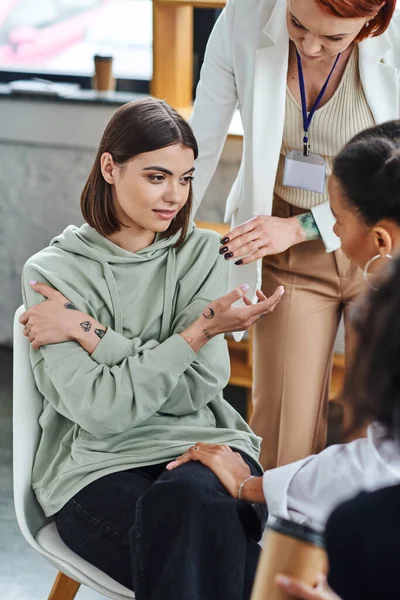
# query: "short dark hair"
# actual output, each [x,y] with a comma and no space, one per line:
[368,171]
[372,387]
[137,127]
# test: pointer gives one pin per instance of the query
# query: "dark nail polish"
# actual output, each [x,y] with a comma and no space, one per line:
[225,240]
[223,250]
[229,255]
[239,262]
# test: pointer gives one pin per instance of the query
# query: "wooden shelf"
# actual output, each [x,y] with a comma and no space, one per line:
[235,130]
[221,228]
[172,53]
[338,370]
[173,49]
[339,361]
[241,372]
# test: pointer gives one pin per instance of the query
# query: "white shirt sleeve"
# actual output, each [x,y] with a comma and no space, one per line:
[325,221]
[308,490]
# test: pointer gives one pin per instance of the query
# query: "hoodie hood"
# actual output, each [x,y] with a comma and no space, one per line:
[87,242]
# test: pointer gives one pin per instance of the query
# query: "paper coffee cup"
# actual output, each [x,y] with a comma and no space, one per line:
[291,549]
[103,79]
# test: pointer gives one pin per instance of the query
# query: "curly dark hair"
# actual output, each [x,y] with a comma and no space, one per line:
[372,387]
[368,170]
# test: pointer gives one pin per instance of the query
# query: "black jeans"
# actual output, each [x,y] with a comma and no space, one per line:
[168,535]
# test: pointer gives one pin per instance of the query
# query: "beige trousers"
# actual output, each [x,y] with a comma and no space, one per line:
[293,346]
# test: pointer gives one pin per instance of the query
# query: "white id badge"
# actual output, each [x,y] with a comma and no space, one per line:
[304,172]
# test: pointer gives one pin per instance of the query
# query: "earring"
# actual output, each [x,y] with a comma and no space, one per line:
[367,23]
[367,266]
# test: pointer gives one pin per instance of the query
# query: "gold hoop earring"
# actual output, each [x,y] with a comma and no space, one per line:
[367,266]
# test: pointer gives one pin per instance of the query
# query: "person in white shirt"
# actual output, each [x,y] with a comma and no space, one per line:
[361,534]
[365,200]
[254,61]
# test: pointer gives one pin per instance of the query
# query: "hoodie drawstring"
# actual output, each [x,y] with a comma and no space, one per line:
[115,297]
[169,290]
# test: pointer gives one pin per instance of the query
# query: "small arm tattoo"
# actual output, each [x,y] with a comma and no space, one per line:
[188,339]
[86,326]
[309,226]
[100,333]
[211,314]
[70,306]
[207,334]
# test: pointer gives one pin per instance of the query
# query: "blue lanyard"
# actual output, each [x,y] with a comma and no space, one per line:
[308,118]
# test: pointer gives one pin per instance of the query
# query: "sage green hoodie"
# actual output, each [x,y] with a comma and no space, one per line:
[144,396]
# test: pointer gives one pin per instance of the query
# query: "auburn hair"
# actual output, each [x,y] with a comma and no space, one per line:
[357,9]
[137,127]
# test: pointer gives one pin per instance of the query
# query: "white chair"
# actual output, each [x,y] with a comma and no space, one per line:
[39,531]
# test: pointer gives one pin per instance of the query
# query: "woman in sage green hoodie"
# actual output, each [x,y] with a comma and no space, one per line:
[128,356]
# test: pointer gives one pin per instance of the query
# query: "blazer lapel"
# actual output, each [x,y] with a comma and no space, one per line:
[379,80]
[269,97]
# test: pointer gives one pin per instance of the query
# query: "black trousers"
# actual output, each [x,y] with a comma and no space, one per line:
[168,535]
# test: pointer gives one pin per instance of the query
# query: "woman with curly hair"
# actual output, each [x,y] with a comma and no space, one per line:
[362,534]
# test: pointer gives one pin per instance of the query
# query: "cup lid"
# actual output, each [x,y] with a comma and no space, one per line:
[296,530]
[102,57]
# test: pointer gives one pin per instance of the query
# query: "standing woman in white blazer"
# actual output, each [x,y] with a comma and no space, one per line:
[281,233]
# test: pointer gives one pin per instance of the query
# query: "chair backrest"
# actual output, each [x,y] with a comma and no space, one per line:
[27,407]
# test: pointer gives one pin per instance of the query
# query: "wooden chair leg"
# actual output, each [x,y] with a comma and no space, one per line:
[64,588]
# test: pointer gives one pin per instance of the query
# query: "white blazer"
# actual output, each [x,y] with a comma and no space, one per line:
[245,66]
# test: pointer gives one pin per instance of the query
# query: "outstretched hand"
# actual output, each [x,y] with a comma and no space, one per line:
[224,316]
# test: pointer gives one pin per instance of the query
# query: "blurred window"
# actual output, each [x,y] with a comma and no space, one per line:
[62,36]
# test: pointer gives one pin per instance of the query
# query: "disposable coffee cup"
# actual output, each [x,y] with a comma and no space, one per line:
[290,549]
[103,79]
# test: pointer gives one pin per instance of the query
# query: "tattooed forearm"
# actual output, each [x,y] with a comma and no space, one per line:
[210,315]
[86,326]
[70,306]
[207,334]
[100,333]
[309,226]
